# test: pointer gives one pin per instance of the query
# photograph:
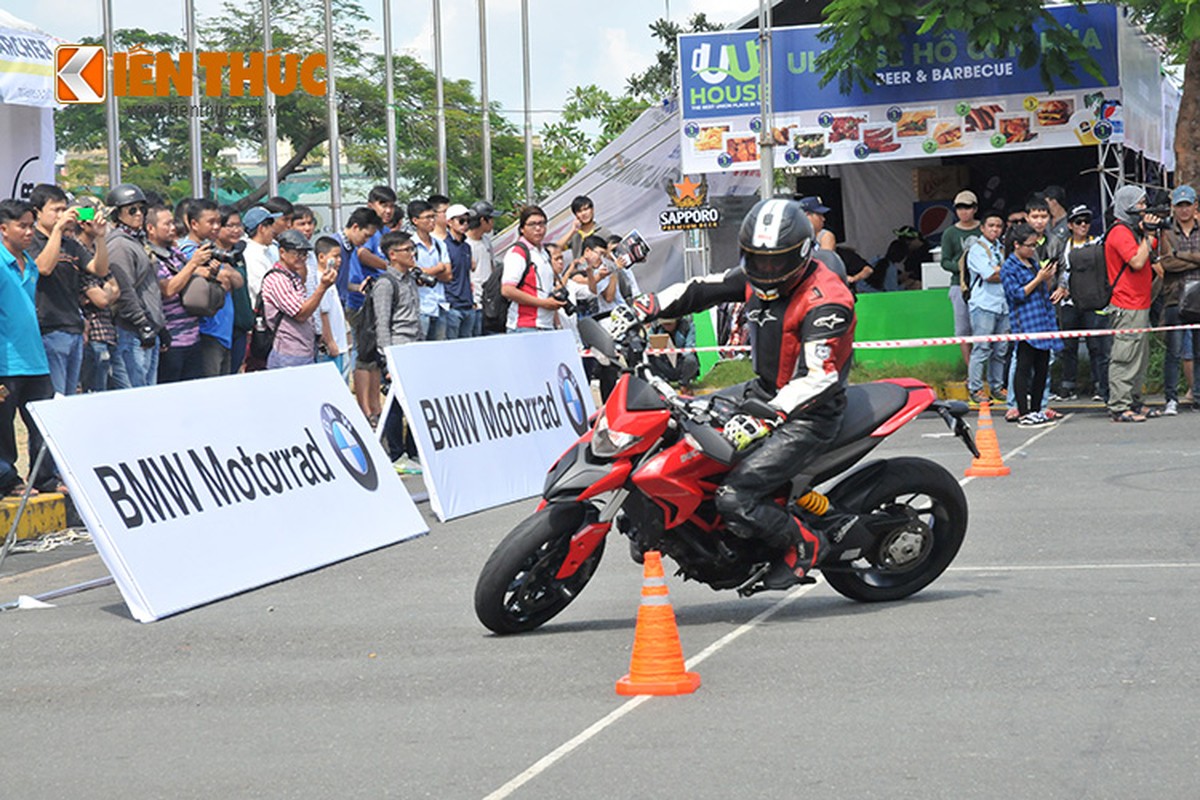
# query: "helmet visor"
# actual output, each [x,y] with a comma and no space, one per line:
[767,269]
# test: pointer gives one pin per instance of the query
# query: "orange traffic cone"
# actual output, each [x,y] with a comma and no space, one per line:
[657,663]
[989,464]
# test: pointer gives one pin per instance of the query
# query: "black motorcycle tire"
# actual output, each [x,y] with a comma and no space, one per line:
[905,478]
[517,590]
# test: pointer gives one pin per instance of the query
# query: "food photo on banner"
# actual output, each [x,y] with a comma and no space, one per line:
[944,97]
[187,509]
[487,433]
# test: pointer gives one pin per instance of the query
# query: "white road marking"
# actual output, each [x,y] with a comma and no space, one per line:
[565,749]
[568,747]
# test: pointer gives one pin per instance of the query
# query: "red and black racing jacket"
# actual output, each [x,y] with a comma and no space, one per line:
[800,342]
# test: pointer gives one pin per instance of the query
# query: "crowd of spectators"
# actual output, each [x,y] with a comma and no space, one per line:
[98,296]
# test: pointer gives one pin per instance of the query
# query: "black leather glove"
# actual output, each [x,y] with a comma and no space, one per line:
[147,336]
[164,338]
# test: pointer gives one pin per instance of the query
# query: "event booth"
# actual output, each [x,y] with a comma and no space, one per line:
[26,106]
[946,116]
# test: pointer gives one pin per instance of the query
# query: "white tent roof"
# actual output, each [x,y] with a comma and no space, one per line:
[26,63]
[627,182]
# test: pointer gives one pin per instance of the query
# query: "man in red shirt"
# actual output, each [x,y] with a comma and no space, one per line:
[1128,251]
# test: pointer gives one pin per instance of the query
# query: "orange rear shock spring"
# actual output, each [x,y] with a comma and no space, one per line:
[814,502]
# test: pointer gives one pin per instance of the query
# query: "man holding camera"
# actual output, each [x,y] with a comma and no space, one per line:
[138,312]
[1129,256]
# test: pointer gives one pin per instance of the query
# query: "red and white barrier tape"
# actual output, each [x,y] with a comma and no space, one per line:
[888,344]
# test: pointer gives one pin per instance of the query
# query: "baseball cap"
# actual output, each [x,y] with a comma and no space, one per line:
[966,198]
[257,216]
[1078,212]
[1183,194]
[906,232]
[293,240]
[457,210]
[484,209]
[813,205]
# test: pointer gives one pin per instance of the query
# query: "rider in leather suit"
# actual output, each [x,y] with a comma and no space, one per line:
[801,318]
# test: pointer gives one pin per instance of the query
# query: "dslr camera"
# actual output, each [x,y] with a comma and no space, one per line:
[560,294]
[231,256]
[1164,218]
[423,280]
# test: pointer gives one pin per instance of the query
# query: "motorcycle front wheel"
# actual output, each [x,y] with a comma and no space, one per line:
[908,557]
[518,590]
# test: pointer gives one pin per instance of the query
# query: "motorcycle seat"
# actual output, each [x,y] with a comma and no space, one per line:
[868,406]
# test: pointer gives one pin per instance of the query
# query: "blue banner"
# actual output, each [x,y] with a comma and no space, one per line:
[720,71]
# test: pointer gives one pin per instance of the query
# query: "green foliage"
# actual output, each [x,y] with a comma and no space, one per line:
[567,145]
[660,79]
[154,131]
[861,33]
[1176,21]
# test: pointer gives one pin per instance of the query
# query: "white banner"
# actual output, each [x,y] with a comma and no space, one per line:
[490,414]
[199,490]
[26,64]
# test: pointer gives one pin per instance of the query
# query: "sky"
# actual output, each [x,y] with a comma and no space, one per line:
[572,42]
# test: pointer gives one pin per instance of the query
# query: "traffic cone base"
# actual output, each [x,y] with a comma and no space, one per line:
[656,666]
[990,463]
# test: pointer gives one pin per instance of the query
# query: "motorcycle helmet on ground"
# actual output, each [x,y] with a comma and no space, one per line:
[124,194]
[776,240]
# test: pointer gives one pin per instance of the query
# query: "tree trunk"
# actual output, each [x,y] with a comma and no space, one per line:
[1187,129]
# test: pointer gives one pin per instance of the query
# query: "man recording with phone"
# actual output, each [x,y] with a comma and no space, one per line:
[1129,257]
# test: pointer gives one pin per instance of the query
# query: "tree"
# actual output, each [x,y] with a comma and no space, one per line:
[1177,23]
[858,30]
[154,148]
[566,145]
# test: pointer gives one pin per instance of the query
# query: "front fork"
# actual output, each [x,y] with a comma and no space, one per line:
[588,538]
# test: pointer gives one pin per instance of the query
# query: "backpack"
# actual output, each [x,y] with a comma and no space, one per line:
[493,303]
[1088,284]
[262,335]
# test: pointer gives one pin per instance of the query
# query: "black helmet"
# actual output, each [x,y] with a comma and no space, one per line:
[124,194]
[777,242]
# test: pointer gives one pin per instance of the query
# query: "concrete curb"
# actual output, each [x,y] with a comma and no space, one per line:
[45,513]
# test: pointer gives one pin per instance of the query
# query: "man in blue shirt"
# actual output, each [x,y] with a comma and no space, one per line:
[353,274]
[216,332]
[459,322]
[24,370]
[434,260]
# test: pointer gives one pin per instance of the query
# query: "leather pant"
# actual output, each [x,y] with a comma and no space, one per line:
[745,499]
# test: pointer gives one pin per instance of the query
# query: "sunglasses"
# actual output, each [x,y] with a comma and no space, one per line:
[464,219]
[1027,244]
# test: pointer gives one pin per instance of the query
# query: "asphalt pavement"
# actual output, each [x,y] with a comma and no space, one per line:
[1056,659]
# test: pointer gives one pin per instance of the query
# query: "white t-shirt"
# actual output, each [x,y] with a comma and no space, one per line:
[331,304]
[540,283]
[258,261]
[482,256]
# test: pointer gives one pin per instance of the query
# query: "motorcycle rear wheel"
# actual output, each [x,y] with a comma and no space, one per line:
[517,590]
[940,503]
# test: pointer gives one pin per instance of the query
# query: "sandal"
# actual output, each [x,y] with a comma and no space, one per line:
[1147,412]
[1128,416]
[18,489]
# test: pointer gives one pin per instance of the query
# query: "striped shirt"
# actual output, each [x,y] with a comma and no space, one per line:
[282,295]
[183,327]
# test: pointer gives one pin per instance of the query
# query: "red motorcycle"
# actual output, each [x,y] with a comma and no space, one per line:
[651,462]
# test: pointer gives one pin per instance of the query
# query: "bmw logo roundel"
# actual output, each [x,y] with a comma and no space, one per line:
[572,398]
[349,446]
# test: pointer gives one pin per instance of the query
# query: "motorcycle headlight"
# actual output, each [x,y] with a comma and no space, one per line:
[607,443]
